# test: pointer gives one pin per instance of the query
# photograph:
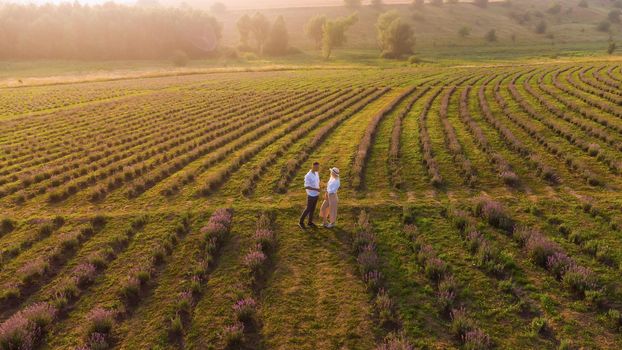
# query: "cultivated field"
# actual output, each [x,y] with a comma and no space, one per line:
[480,209]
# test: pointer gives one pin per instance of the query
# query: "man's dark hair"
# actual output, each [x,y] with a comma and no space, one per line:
[316,163]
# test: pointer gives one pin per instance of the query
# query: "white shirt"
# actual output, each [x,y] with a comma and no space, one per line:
[333,185]
[312,180]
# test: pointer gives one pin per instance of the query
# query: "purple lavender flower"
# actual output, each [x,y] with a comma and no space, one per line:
[185,301]
[523,233]
[448,284]
[474,240]
[25,328]
[580,279]
[540,249]
[100,320]
[33,269]
[362,239]
[509,178]
[373,280]
[411,231]
[222,216]
[245,309]
[69,240]
[558,264]
[97,341]
[255,260]
[461,324]
[476,340]
[425,252]
[445,300]
[396,342]
[494,212]
[15,332]
[218,225]
[233,334]
[196,284]
[84,273]
[385,307]
[130,290]
[368,259]
[435,268]
[213,229]
[265,238]
[40,314]
[10,290]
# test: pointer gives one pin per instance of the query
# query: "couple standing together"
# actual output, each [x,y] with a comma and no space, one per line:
[328,211]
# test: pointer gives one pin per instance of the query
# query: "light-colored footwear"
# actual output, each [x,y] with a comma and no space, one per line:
[325,225]
[330,225]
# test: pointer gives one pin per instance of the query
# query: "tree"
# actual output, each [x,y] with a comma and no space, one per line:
[603,26]
[419,3]
[396,37]
[278,41]
[314,29]
[218,7]
[245,26]
[334,33]
[555,9]
[583,4]
[260,27]
[541,27]
[614,16]
[612,47]
[147,3]
[352,3]
[377,4]
[436,2]
[491,36]
[180,58]
[464,32]
[481,3]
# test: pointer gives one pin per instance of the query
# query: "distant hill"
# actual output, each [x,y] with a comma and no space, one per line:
[253,4]
[515,23]
[231,4]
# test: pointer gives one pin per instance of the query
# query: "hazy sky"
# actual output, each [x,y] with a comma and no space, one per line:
[232,4]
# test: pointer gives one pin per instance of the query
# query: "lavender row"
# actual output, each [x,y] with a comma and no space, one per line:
[462,326]
[364,249]
[362,153]
[592,149]
[293,164]
[257,262]
[453,145]
[396,134]
[215,234]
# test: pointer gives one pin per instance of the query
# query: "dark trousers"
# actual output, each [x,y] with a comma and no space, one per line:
[310,209]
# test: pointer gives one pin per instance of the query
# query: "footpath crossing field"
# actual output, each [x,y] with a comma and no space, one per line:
[481,208]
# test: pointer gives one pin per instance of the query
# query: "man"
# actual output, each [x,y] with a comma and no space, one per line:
[312,186]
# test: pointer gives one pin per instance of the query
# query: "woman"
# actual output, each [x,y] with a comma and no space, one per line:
[328,212]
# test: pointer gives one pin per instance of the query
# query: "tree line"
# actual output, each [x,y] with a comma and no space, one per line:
[380,3]
[259,35]
[109,31]
[113,31]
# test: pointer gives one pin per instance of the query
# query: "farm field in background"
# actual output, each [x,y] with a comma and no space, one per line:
[481,209]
